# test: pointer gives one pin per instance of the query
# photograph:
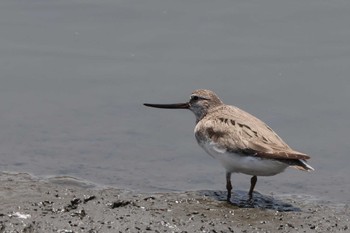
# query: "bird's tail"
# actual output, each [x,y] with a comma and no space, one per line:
[302,165]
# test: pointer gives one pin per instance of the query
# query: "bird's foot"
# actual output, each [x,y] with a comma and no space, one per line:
[250,201]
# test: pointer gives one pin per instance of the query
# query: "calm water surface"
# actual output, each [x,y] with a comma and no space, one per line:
[74,75]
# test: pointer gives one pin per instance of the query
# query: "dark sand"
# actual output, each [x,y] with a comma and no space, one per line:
[30,204]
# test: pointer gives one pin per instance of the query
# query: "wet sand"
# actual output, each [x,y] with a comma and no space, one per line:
[63,204]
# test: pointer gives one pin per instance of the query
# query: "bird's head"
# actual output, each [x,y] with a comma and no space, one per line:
[201,101]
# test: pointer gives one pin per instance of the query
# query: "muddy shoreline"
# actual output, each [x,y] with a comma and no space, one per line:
[30,204]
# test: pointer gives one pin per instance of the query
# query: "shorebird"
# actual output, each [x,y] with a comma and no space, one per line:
[239,140]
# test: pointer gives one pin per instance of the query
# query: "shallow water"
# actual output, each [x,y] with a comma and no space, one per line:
[74,75]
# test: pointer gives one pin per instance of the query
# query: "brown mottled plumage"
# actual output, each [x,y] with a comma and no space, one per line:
[242,142]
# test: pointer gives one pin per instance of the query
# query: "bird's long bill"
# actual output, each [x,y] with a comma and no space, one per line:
[171,106]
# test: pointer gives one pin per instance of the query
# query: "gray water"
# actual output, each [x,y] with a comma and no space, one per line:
[74,75]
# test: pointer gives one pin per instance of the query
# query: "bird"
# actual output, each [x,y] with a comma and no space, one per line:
[240,141]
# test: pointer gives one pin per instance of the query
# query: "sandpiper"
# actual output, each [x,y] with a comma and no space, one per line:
[240,141]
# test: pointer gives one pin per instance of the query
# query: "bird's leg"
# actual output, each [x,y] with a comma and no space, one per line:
[253,181]
[228,186]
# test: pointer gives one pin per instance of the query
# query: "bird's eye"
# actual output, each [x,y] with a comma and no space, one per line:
[194,97]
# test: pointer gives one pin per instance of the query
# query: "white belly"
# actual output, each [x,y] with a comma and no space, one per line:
[249,165]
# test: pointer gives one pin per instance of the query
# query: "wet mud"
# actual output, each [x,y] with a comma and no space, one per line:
[31,204]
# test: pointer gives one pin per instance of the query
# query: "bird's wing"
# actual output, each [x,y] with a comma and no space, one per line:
[242,133]
[270,151]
